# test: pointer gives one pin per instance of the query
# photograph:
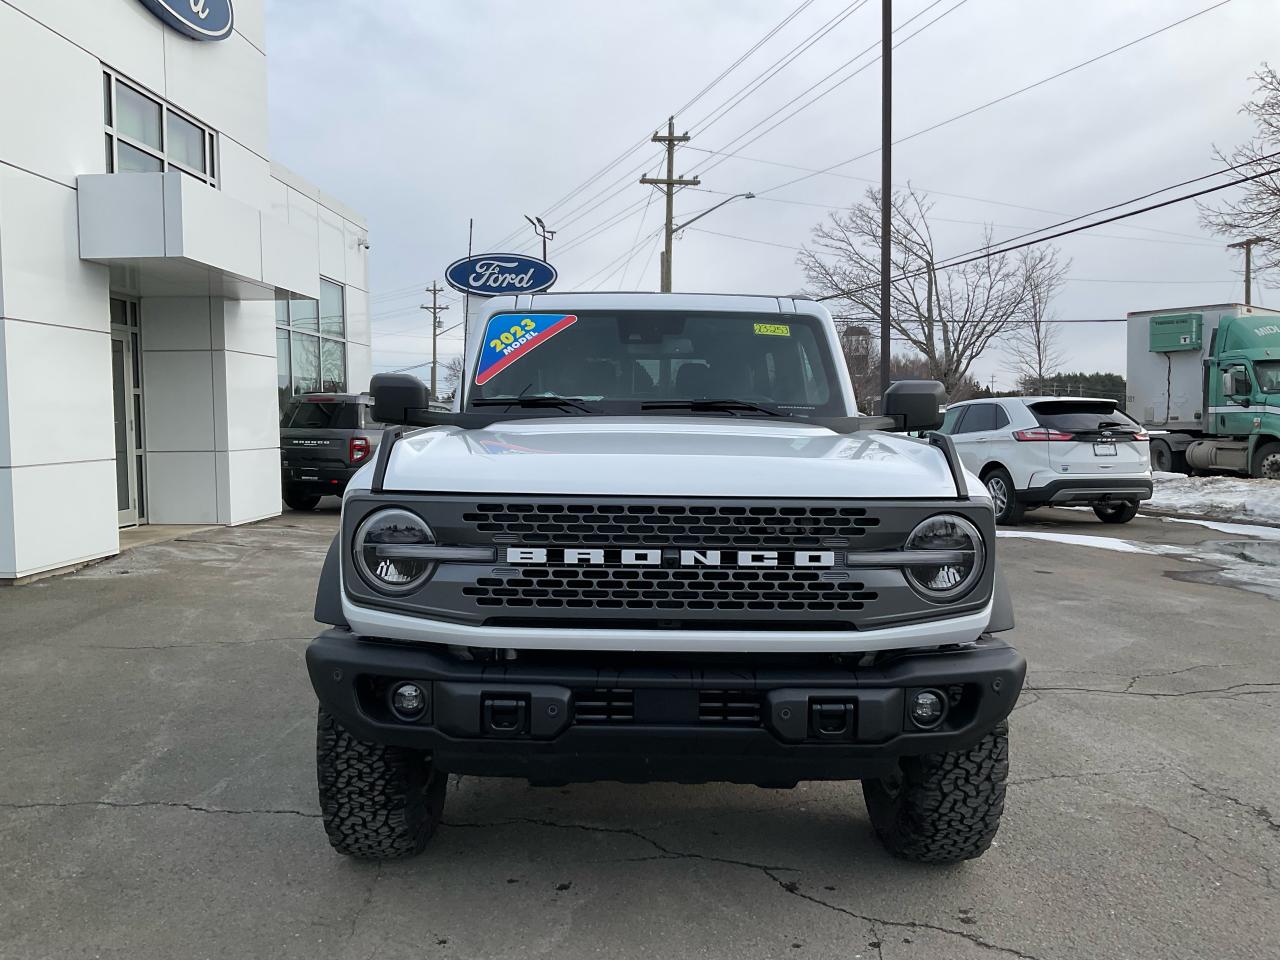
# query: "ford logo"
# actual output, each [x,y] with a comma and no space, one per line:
[197,19]
[491,274]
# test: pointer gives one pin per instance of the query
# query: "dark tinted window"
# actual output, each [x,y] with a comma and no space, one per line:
[952,419]
[1072,416]
[1268,372]
[619,360]
[309,414]
[981,417]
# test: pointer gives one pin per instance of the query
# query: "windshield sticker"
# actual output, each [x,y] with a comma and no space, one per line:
[773,330]
[509,336]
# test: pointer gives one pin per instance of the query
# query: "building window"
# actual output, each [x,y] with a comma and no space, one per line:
[146,135]
[311,345]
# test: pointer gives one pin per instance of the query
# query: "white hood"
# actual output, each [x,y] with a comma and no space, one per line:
[666,456]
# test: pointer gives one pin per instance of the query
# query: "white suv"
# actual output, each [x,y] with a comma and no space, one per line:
[1037,451]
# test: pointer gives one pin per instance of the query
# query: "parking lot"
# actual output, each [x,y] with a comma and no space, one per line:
[158,800]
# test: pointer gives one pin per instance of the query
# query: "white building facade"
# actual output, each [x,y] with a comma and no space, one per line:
[163,284]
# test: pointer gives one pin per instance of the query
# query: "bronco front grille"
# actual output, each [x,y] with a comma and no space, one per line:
[695,525]
[603,706]
[720,708]
[681,589]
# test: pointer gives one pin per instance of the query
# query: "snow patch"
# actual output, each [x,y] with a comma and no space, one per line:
[1238,529]
[1099,543]
[1225,498]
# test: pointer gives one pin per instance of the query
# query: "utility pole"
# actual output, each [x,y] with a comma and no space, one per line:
[1247,247]
[435,290]
[886,175]
[670,182]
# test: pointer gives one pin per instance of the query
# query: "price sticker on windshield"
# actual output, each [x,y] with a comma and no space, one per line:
[510,336]
[773,329]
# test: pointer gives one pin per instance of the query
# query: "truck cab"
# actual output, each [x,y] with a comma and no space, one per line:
[655,539]
[1207,381]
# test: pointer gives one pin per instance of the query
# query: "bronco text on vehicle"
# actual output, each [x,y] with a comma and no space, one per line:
[655,540]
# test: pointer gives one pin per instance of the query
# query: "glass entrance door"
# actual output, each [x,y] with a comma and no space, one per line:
[126,388]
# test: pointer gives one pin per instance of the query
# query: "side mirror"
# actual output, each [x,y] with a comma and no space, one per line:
[394,394]
[1236,383]
[915,404]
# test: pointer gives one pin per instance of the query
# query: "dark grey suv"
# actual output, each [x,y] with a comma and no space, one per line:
[324,439]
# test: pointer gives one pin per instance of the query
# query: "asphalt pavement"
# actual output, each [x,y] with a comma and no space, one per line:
[157,794]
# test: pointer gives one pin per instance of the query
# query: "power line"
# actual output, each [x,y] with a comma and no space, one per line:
[635,243]
[771,71]
[975,223]
[640,144]
[737,63]
[726,154]
[927,190]
[1001,99]
[962,259]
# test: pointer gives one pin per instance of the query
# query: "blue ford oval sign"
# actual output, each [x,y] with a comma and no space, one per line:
[491,274]
[197,19]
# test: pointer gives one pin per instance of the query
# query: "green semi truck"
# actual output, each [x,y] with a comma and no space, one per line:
[1206,381]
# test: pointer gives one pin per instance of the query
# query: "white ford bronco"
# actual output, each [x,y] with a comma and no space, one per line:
[655,540]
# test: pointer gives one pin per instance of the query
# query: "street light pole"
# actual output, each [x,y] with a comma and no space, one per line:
[886,174]
[540,229]
[736,196]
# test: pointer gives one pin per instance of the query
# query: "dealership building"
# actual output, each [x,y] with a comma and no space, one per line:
[163,284]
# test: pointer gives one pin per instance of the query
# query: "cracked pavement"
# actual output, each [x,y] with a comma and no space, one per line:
[158,795]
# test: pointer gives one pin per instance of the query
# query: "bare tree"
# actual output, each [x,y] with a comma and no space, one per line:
[1034,349]
[1256,211]
[949,315]
[451,372]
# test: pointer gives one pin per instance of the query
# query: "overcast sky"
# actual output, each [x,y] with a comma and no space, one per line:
[423,115]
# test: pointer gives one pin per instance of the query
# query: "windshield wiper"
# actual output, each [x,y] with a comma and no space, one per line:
[534,402]
[729,406]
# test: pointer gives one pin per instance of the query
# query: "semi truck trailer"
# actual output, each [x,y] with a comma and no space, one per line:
[1206,381]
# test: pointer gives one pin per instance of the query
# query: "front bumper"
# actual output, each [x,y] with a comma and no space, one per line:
[573,717]
[1087,490]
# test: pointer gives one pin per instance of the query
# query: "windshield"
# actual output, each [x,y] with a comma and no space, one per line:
[1080,416]
[1268,374]
[308,414]
[619,362]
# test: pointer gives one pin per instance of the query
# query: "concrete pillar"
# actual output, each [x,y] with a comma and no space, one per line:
[57,456]
[212,435]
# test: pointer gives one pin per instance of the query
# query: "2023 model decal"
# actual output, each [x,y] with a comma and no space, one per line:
[510,336]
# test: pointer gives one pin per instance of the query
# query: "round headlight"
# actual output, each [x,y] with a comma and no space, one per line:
[378,555]
[956,561]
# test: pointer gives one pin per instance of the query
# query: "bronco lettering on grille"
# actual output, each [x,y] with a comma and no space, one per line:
[584,556]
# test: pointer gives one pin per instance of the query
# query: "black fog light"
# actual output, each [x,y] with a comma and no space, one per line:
[408,701]
[927,708]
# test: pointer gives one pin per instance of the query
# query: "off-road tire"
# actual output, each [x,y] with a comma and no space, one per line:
[943,807]
[1266,462]
[377,802]
[297,500]
[1122,511]
[1008,510]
